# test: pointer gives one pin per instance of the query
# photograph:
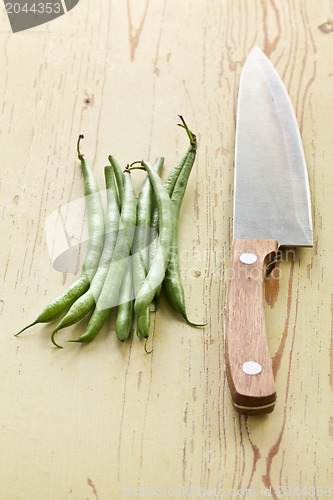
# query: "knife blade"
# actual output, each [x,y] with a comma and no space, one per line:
[272,208]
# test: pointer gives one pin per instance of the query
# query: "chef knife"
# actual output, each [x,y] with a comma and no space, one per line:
[272,209]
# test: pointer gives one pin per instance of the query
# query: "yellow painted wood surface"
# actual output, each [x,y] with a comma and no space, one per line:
[107,420]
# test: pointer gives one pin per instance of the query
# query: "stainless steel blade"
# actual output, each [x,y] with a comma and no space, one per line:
[272,196]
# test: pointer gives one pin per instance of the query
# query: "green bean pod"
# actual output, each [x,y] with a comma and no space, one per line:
[124,318]
[169,186]
[87,301]
[117,170]
[143,324]
[95,213]
[172,284]
[125,309]
[141,245]
[158,266]
[113,280]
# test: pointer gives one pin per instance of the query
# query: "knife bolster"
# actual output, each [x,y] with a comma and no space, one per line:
[248,362]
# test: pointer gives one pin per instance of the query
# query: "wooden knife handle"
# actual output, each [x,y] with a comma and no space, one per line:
[248,362]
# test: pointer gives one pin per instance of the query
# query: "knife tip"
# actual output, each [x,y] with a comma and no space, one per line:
[256,51]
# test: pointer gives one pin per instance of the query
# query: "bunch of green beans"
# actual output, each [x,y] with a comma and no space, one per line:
[132,250]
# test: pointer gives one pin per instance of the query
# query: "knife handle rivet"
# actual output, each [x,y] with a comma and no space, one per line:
[248,258]
[251,368]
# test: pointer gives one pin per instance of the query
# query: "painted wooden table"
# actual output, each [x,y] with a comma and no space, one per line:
[106,420]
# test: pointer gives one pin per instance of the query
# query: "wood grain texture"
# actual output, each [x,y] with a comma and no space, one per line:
[245,337]
[91,421]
